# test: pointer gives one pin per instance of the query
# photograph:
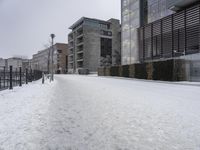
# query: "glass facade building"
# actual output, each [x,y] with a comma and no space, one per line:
[130,23]
[157,9]
[136,13]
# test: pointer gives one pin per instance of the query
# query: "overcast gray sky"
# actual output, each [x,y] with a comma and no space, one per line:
[25,25]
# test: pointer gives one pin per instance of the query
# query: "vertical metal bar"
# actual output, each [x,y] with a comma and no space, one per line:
[151,41]
[161,32]
[26,76]
[31,76]
[156,45]
[185,24]
[178,39]
[20,76]
[172,17]
[4,77]
[199,28]
[11,75]
[143,43]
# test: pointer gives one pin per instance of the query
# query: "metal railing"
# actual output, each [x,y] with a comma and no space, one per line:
[10,78]
[175,35]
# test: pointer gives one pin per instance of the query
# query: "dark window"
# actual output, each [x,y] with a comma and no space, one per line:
[106,47]
[106,33]
[59,51]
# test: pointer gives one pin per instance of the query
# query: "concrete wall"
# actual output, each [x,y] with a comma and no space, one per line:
[116,41]
[91,48]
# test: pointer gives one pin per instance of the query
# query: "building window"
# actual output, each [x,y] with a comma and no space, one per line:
[106,52]
[106,33]
[104,26]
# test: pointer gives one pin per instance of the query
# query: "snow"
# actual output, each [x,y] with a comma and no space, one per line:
[97,113]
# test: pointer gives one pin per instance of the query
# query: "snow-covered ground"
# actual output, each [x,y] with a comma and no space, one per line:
[98,113]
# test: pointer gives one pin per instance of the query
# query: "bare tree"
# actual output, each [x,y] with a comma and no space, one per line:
[48,46]
[117,57]
[106,61]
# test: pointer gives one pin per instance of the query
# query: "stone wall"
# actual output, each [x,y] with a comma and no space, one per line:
[168,70]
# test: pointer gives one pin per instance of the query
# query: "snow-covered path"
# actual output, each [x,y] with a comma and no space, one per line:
[95,113]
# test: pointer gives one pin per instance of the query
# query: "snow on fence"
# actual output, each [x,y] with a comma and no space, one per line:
[10,78]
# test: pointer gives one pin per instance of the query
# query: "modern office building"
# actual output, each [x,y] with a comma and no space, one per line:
[156,30]
[137,13]
[43,59]
[94,43]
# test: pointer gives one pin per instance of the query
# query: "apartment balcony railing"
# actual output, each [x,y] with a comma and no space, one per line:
[80,64]
[172,36]
[80,43]
[79,31]
[79,36]
[70,40]
[79,59]
[71,55]
[71,61]
[70,36]
[80,51]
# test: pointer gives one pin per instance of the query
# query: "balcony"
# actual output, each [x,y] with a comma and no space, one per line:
[70,40]
[80,56]
[79,60]
[79,36]
[80,44]
[80,64]
[70,37]
[71,58]
[80,40]
[70,55]
[79,31]
[71,49]
[80,48]
[71,43]
[79,52]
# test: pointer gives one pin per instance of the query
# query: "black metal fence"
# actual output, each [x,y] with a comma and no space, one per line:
[10,78]
[172,36]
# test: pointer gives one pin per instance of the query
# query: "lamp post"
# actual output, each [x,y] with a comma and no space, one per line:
[52,63]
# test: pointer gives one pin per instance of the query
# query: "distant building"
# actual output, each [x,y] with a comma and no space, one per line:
[15,62]
[2,63]
[94,43]
[26,64]
[42,60]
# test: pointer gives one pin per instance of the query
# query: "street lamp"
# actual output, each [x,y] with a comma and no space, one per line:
[52,65]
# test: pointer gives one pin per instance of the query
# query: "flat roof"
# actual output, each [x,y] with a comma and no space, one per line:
[89,19]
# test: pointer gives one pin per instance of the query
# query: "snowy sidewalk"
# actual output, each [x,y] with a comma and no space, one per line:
[94,113]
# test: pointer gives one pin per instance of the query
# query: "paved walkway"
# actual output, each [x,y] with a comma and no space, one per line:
[93,113]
